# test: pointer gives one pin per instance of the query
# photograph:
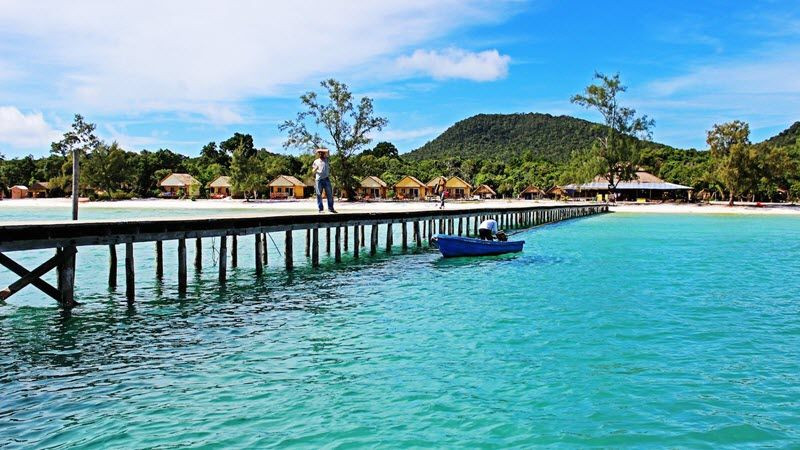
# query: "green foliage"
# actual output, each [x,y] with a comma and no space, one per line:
[511,136]
[615,154]
[105,169]
[348,128]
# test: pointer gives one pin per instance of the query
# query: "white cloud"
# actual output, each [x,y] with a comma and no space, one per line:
[26,131]
[152,55]
[762,89]
[410,134]
[488,65]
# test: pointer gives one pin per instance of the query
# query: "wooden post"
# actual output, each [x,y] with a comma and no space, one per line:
[404,233]
[315,247]
[234,251]
[373,240]
[356,243]
[424,227]
[389,237]
[338,245]
[223,259]
[259,255]
[112,266]
[345,237]
[264,251]
[198,255]
[363,236]
[460,226]
[417,235]
[159,260]
[130,281]
[308,242]
[66,277]
[477,220]
[328,240]
[287,251]
[182,265]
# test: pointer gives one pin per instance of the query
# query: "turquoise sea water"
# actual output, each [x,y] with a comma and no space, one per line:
[613,330]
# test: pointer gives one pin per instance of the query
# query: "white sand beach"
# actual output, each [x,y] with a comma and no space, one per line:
[238,207]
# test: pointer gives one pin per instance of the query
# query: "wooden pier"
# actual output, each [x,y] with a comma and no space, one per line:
[66,237]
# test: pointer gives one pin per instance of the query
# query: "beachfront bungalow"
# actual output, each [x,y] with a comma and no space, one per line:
[646,187]
[372,187]
[410,188]
[458,188]
[179,184]
[556,193]
[19,191]
[286,187]
[531,193]
[484,191]
[220,187]
[39,189]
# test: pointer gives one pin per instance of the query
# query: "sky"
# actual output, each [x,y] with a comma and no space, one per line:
[153,74]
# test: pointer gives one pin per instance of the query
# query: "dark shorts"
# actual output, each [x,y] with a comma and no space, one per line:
[485,234]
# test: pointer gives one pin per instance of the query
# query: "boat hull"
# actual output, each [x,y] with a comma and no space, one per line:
[454,246]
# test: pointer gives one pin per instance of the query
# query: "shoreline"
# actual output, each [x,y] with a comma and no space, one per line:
[309,206]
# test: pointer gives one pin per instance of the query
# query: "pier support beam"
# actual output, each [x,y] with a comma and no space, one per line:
[198,255]
[182,266]
[259,255]
[287,251]
[404,234]
[264,249]
[63,261]
[130,278]
[223,259]
[315,247]
[373,240]
[328,240]
[417,235]
[112,266]
[159,260]
[234,252]
[356,243]
[308,242]
[345,237]
[389,238]
[338,245]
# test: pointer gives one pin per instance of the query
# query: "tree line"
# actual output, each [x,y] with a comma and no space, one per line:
[733,168]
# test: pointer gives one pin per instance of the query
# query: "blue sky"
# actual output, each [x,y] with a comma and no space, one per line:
[154,74]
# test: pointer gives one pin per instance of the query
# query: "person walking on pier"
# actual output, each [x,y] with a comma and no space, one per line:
[441,191]
[322,172]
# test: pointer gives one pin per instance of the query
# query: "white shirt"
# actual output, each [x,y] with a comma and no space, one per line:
[489,224]
[322,168]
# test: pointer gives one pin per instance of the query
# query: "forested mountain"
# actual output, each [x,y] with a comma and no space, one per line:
[505,136]
[786,137]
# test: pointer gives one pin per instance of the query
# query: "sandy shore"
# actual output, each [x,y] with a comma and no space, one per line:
[714,208]
[238,207]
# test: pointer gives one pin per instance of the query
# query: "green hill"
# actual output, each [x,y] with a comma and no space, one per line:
[786,137]
[501,136]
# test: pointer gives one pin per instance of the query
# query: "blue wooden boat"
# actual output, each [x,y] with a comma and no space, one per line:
[452,246]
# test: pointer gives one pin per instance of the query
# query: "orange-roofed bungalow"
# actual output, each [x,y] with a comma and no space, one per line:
[287,186]
[410,188]
[177,184]
[458,188]
[531,192]
[372,187]
[220,188]
[19,191]
[484,191]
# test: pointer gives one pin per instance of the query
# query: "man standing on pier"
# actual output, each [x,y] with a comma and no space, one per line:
[322,172]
